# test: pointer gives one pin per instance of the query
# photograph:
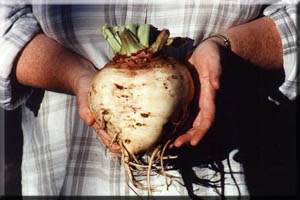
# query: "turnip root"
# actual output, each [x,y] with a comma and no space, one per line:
[140,98]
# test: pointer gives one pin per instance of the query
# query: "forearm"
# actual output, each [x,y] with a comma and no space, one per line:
[258,42]
[44,63]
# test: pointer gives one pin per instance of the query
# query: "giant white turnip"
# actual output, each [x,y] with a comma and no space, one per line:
[140,97]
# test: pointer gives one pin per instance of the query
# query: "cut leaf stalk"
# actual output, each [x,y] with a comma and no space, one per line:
[131,39]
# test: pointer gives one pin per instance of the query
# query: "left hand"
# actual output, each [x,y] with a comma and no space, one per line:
[206,59]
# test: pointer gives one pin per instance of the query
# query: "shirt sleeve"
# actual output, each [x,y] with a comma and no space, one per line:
[284,16]
[17,27]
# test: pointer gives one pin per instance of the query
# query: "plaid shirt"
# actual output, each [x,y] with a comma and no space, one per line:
[60,154]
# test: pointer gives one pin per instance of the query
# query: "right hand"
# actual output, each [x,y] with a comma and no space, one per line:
[82,84]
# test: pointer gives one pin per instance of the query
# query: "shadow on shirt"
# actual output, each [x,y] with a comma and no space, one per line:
[262,131]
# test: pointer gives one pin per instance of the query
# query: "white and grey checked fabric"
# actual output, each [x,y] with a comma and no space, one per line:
[60,154]
[285,19]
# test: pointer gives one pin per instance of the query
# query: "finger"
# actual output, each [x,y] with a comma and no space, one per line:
[183,139]
[115,148]
[193,136]
[198,135]
[201,130]
[215,80]
[214,75]
[206,102]
[206,115]
[103,134]
[84,111]
[86,116]
[106,139]
[96,127]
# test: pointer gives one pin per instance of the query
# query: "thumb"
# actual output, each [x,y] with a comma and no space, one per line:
[215,72]
[83,109]
[214,81]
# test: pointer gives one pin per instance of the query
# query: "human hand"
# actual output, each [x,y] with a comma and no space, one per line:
[82,84]
[206,59]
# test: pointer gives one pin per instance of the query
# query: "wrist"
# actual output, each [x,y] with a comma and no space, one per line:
[221,40]
[84,71]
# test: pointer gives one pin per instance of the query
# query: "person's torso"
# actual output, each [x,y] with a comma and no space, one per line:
[78,27]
